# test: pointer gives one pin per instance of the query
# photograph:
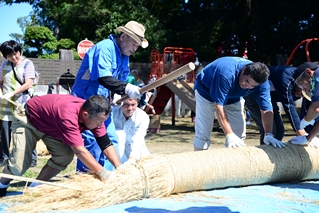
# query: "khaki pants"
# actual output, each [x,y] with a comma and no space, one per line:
[24,140]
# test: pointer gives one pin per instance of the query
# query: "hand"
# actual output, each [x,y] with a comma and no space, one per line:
[269,139]
[104,174]
[35,184]
[130,161]
[116,97]
[233,141]
[304,123]
[132,91]
[8,95]
[299,140]
[314,142]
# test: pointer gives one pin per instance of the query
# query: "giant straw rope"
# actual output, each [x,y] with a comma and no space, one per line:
[162,175]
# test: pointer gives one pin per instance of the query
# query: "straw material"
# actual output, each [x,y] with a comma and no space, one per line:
[158,176]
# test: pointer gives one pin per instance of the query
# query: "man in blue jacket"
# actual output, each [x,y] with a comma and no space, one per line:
[308,81]
[104,69]
[220,87]
[283,89]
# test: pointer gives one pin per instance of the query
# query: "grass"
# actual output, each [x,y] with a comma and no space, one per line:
[32,172]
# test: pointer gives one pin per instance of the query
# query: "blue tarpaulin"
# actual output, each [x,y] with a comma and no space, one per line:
[287,197]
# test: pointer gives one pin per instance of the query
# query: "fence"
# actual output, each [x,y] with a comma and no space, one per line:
[50,70]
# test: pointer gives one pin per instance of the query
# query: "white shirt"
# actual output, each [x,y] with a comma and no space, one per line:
[131,133]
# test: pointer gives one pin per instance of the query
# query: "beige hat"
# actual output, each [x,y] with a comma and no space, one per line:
[135,31]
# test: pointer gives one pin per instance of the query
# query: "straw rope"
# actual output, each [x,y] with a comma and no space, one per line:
[158,176]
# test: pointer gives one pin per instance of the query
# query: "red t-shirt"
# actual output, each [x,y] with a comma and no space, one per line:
[58,116]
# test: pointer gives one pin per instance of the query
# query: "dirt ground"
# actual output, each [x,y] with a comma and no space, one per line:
[179,138]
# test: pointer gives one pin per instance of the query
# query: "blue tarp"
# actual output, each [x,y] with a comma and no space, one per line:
[288,197]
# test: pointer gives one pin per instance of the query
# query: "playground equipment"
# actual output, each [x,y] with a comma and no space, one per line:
[306,43]
[163,64]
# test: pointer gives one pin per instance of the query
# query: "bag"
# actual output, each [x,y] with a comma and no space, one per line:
[35,81]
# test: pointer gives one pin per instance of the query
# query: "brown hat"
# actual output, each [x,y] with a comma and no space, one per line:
[135,31]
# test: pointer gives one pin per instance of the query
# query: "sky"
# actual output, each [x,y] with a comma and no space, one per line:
[8,19]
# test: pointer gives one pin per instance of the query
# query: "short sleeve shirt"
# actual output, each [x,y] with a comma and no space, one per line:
[58,116]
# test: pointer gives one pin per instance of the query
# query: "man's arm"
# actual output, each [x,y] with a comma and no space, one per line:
[86,157]
[267,120]
[313,111]
[108,150]
[112,156]
[223,119]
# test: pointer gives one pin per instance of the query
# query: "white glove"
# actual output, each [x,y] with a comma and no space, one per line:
[314,142]
[104,174]
[233,141]
[132,91]
[130,161]
[269,139]
[304,123]
[299,140]
[8,95]
[116,97]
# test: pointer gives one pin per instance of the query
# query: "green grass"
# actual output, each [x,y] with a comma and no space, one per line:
[33,172]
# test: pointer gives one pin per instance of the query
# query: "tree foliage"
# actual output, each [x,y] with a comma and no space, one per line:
[211,27]
[39,40]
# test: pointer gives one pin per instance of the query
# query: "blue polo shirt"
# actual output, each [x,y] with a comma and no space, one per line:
[103,59]
[219,82]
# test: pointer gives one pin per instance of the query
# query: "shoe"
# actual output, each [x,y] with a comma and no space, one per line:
[3,162]
[33,163]
[3,192]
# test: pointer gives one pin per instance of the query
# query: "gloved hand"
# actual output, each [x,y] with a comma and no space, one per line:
[314,142]
[233,141]
[35,184]
[299,140]
[304,123]
[269,139]
[8,95]
[104,174]
[116,97]
[130,161]
[132,91]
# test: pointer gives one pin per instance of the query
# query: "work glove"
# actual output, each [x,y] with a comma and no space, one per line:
[104,174]
[35,184]
[302,140]
[270,139]
[132,91]
[233,141]
[314,142]
[130,161]
[8,95]
[304,123]
[299,140]
[116,97]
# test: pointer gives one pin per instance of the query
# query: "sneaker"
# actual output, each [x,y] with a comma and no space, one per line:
[3,192]
[33,163]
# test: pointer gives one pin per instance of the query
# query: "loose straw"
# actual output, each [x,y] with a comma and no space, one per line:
[161,175]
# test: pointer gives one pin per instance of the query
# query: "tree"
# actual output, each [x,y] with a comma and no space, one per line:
[39,40]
